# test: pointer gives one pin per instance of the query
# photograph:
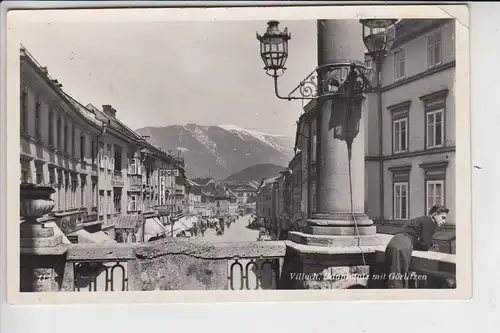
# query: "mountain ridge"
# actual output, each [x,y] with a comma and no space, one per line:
[256,173]
[220,151]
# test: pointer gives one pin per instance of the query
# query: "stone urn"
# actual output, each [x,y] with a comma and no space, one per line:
[42,256]
[35,202]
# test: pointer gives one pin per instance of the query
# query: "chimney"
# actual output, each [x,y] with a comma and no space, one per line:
[109,111]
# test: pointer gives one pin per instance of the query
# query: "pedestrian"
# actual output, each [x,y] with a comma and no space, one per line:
[416,234]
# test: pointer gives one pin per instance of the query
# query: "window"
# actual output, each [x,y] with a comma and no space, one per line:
[101,202]
[401,195]
[74,185]
[117,200]
[133,166]
[52,176]
[399,65]
[314,147]
[94,196]
[435,193]
[132,205]
[435,176]
[67,192]
[73,141]
[400,135]
[435,128]
[83,183]
[118,159]
[38,133]
[110,159]
[109,208]
[39,173]
[65,138]
[25,171]
[102,156]
[400,201]
[434,56]
[51,128]
[93,151]
[59,131]
[82,147]
[24,116]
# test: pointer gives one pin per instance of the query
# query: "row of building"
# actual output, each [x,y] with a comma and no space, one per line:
[410,139]
[211,198]
[109,181]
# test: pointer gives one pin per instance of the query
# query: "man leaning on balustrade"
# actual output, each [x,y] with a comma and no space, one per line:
[416,234]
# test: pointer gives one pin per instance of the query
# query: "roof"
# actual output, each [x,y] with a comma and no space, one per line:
[196,190]
[202,181]
[245,187]
[128,221]
[222,194]
[117,125]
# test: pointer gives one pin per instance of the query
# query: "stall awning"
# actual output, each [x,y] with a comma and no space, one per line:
[153,227]
[95,237]
[128,221]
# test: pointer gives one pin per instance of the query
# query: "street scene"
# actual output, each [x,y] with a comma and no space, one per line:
[151,174]
[236,231]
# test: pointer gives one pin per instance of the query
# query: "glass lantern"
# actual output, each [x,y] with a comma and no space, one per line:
[274,48]
[377,34]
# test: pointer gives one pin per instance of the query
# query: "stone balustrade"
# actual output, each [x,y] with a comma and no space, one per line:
[183,264]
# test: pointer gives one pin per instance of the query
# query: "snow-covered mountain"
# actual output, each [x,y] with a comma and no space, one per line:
[220,151]
[279,142]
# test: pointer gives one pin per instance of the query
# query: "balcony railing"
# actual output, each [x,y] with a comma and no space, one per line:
[122,267]
[135,182]
[117,179]
[183,264]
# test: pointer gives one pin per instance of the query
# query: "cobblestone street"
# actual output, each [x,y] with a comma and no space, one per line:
[236,232]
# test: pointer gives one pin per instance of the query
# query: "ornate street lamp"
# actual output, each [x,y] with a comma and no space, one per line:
[341,79]
[376,35]
[274,48]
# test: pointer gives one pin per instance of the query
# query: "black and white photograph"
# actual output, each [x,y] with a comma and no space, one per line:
[218,150]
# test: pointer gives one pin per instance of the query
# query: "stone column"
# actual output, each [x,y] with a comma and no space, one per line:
[42,259]
[341,142]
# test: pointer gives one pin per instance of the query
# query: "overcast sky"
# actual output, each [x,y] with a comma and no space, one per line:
[164,73]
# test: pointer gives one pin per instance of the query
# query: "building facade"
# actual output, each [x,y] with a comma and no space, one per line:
[264,200]
[106,177]
[58,147]
[416,126]
[410,141]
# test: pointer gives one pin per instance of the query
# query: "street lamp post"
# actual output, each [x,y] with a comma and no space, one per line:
[377,41]
[338,86]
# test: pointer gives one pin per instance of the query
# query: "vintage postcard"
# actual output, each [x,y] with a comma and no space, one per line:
[238,154]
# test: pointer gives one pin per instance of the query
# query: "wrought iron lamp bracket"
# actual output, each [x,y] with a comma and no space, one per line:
[343,79]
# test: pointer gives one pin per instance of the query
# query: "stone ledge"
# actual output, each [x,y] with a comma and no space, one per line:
[338,241]
[205,250]
[341,231]
[333,250]
[40,242]
[95,252]
[428,262]
[45,251]
[193,248]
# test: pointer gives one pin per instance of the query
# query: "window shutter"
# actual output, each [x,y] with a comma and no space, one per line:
[129,206]
[112,163]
